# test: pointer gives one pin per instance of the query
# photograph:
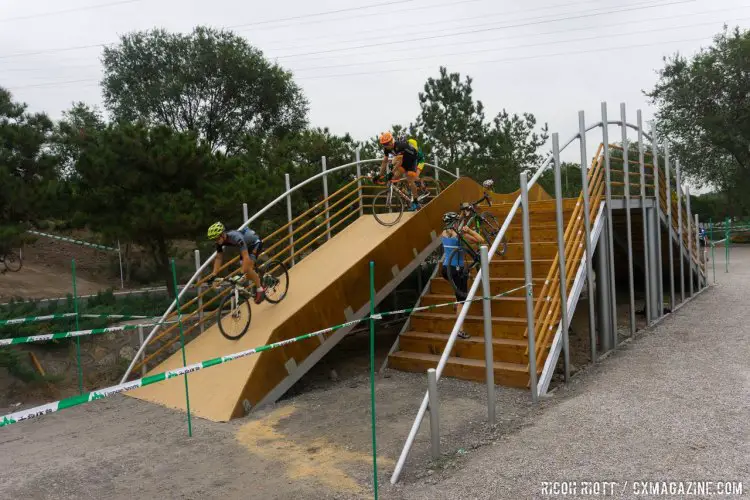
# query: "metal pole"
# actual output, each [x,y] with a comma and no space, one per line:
[629,222]
[657,266]
[78,339]
[561,256]
[689,224]
[372,382]
[245,215]
[458,173]
[359,182]
[610,231]
[642,171]
[197,255]
[528,283]
[434,412]
[679,233]
[143,354]
[713,247]
[587,227]
[287,182]
[122,276]
[437,174]
[488,345]
[701,255]
[668,192]
[325,198]
[182,345]
[602,292]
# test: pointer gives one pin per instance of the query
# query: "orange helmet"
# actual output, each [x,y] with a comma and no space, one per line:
[386,137]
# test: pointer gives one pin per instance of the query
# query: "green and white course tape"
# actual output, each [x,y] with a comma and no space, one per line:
[77,242]
[48,408]
[436,306]
[79,333]
[33,319]
[53,407]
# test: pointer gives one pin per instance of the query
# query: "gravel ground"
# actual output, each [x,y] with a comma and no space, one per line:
[674,405]
[671,405]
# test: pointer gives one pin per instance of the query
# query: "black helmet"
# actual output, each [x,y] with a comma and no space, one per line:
[450,218]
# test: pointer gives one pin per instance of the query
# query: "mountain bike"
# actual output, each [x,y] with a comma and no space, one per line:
[388,204]
[234,312]
[11,261]
[483,223]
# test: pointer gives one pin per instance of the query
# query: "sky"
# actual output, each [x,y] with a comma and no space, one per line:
[362,63]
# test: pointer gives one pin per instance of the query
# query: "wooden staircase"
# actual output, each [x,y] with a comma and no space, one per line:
[421,346]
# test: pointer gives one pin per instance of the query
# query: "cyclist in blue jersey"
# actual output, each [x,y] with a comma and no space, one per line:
[250,246]
[450,241]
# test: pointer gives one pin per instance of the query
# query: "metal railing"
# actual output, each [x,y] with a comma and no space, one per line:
[346,203]
[600,185]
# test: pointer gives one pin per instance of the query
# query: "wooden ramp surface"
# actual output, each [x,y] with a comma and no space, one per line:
[214,391]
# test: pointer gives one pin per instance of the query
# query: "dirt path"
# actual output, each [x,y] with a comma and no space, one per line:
[39,282]
[673,404]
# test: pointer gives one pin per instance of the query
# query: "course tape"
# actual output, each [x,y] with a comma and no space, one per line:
[79,333]
[32,319]
[48,408]
[71,240]
[50,317]
[436,306]
[56,406]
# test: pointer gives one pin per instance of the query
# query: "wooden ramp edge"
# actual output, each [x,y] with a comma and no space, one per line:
[328,287]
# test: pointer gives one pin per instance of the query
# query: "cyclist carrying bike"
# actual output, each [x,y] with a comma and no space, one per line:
[404,162]
[450,240]
[423,193]
[249,244]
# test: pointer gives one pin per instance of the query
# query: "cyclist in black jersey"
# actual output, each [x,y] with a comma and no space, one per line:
[404,162]
[250,246]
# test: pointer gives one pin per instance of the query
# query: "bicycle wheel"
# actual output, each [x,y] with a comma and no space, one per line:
[387,207]
[458,276]
[490,228]
[275,281]
[12,262]
[234,315]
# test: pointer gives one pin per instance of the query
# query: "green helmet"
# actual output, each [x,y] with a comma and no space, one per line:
[216,230]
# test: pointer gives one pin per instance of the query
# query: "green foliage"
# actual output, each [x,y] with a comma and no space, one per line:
[703,109]
[151,186]
[453,125]
[570,180]
[211,82]
[27,169]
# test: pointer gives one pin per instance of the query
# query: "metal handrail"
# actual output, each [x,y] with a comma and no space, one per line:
[263,210]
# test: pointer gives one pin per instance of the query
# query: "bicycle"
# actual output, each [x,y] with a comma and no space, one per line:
[393,205]
[484,222]
[11,261]
[274,275]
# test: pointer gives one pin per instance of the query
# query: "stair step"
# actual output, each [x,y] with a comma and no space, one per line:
[505,350]
[539,250]
[514,307]
[510,374]
[515,268]
[440,285]
[434,322]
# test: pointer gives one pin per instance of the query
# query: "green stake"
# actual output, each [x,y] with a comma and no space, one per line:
[78,340]
[182,344]
[372,380]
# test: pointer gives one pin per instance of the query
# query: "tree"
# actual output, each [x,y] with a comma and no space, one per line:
[70,135]
[210,82]
[151,185]
[451,119]
[509,147]
[570,180]
[27,168]
[704,111]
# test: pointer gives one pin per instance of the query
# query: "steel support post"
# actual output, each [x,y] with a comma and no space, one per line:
[488,344]
[197,256]
[325,198]
[679,233]
[668,194]
[289,215]
[527,281]
[610,232]
[602,292]
[587,227]
[689,228]
[565,321]
[359,182]
[434,413]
